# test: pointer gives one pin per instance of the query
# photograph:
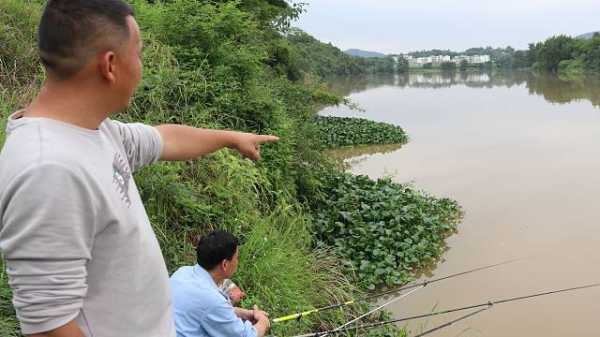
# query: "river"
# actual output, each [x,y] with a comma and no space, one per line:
[521,154]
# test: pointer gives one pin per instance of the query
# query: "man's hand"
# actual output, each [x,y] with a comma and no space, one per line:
[256,312]
[236,295]
[262,324]
[182,142]
[248,144]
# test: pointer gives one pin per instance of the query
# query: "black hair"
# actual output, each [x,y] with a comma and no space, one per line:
[70,29]
[215,247]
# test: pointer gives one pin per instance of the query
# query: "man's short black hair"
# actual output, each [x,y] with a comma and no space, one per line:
[215,247]
[72,31]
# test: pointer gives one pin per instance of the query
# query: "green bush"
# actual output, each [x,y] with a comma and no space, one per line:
[570,68]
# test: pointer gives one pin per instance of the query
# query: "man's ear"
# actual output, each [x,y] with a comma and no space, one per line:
[106,66]
[224,265]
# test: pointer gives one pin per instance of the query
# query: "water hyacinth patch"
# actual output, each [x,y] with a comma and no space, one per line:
[345,131]
[383,230]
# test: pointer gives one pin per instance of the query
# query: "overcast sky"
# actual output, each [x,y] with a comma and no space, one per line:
[394,26]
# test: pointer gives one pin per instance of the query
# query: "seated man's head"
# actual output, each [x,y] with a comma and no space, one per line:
[217,253]
[92,43]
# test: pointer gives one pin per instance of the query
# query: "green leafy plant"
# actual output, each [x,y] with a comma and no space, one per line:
[383,230]
[343,131]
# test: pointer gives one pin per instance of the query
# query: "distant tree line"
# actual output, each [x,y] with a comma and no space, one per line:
[562,53]
[558,54]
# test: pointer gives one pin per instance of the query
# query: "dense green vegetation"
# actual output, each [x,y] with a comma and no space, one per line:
[323,59]
[566,55]
[451,67]
[383,230]
[342,131]
[312,56]
[237,65]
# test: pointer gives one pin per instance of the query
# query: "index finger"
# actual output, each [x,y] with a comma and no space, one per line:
[266,139]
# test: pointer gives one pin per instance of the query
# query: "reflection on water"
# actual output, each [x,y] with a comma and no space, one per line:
[556,90]
[552,88]
[521,154]
[354,152]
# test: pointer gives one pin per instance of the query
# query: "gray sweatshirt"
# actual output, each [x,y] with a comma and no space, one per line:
[74,234]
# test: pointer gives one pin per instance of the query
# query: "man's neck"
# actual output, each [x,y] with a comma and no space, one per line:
[217,277]
[72,104]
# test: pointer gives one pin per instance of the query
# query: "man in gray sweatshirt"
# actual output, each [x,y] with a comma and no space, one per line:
[80,254]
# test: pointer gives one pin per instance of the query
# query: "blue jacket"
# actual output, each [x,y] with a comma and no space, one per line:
[201,309]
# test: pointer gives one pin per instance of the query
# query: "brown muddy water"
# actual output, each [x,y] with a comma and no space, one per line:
[521,154]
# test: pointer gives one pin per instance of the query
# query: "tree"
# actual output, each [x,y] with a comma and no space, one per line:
[591,59]
[448,67]
[554,50]
[520,59]
[402,66]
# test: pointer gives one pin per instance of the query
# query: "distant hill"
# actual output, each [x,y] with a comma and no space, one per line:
[363,53]
[587,35]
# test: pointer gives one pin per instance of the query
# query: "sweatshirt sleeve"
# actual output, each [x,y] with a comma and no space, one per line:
[46,238]
[143,143]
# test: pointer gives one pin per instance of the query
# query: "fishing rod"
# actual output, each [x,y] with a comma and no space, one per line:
[445,325]
[481,306]
[300,315]
[395,299]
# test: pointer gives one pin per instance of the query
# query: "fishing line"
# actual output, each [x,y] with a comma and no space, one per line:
[299,315]
[395,299]
[445,325]
[484,306]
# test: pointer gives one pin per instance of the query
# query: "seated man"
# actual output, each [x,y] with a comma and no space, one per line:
[200,307]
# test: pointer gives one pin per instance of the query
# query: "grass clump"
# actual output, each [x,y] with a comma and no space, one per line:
[344,131]
[8,321]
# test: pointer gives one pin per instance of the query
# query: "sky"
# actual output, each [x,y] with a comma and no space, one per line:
[397,26]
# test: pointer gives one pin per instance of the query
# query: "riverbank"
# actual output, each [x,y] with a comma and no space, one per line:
[214,73]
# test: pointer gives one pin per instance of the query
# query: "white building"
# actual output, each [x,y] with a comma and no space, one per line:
[474,59]
[439,59]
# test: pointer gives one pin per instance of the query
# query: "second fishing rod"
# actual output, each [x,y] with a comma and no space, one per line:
[300,315]
[480,306]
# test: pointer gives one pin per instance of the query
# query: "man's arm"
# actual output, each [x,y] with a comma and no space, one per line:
[244,314]
[186,143]
[221,320]
[46,242]
[71,329]
[259,318]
